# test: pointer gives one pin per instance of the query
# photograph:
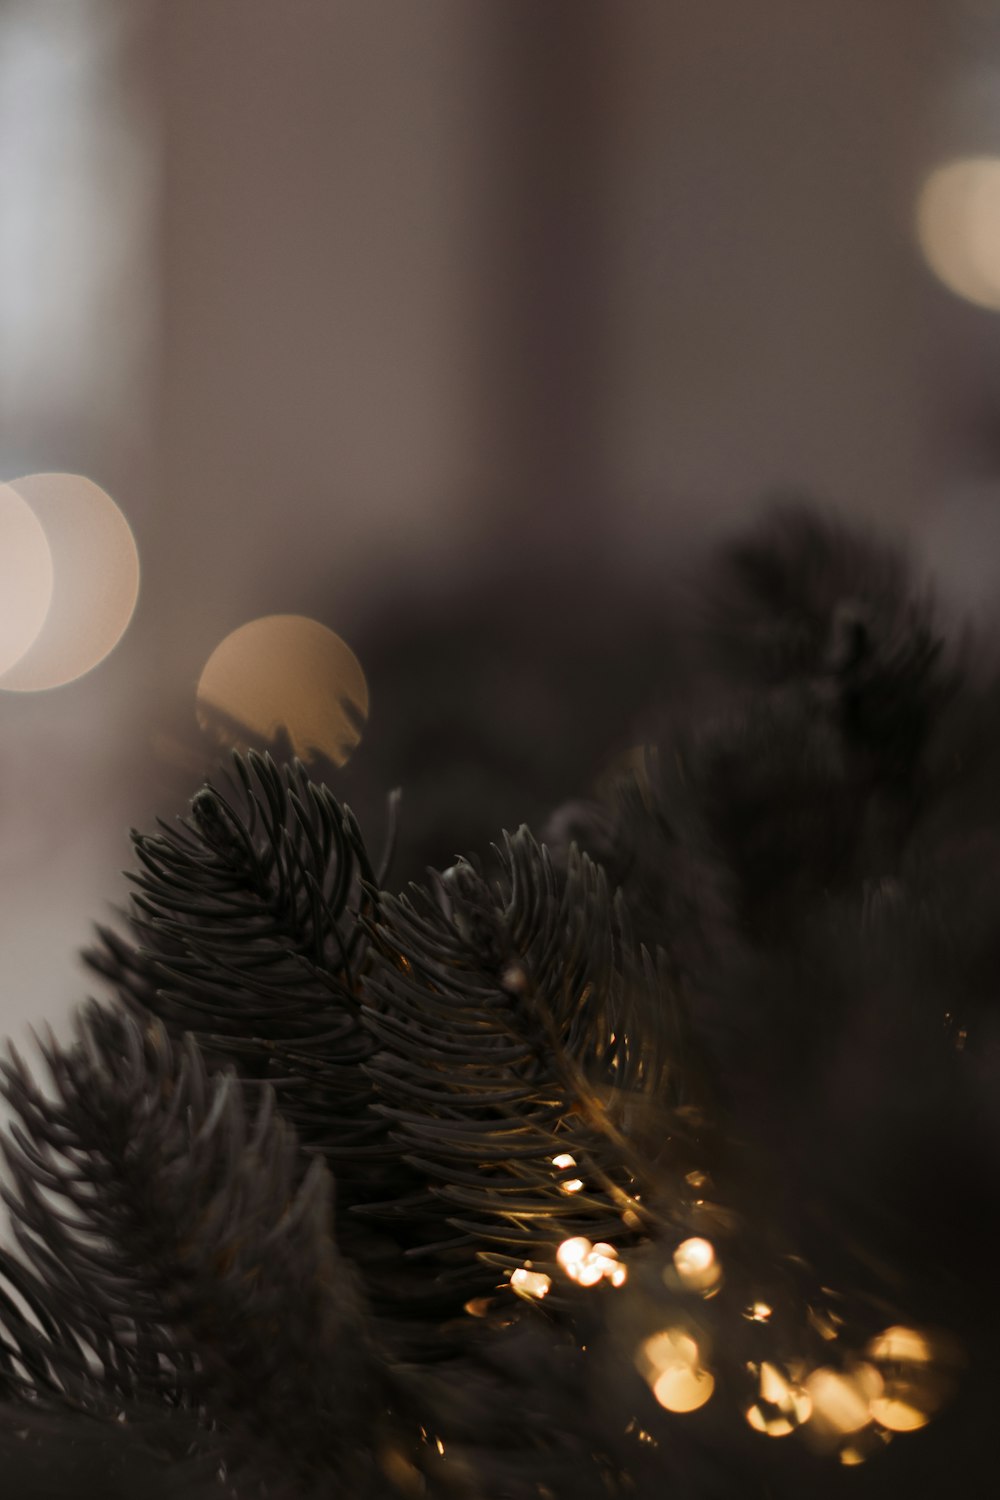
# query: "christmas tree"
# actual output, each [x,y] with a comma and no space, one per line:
[653,1155]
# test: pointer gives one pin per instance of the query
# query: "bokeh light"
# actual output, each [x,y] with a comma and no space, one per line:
[683,1388]
[95,580]
[958,225]
[841,1400]
[781,1405]
[670,1362]
[914,1384]
[25,576]
[284,675]
[696,1264]
[905,1345]
[897,1415]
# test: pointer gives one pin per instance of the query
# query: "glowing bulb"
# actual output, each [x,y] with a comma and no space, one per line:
[530,1283]
[693,1257]
[696,1265]
[564,1160]
[572,1254]
[759,1312]
[669,1362]
[683,1388]
[669,1347]
[587,1264]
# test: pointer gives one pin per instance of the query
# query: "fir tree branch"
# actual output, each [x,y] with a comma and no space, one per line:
[248,919]
[169,1227]
[518,1025]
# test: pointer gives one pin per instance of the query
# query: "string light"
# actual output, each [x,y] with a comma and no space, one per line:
[696,1264]
[670,1363]
[563,1161]
[683,1389]
[904,1345]
[587,1264]
[898,1416]
[781,1407]
[530,1283]
[842,1401]
[911,1387]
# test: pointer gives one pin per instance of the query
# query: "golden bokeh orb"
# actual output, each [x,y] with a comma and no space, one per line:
[284,676]
[958,227]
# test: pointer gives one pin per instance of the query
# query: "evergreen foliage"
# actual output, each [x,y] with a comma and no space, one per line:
[563,1173]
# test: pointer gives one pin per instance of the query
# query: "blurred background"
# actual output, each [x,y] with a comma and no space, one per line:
[463,330]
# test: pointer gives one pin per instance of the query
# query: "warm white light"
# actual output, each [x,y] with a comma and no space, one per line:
[95,580]
[843,1401]
[696,1264]
[781,1407]
[563,1161]
[572,1254]
[898,1416]
[587,1264]
[683,1388]
[958,224]
[913,1385]
[671,1346]
[759,1312]
[903,1345]
[530,1283]
[285,674]
[669,1361]
[25,577]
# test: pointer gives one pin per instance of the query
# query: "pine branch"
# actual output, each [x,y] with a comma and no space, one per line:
[168,1226]
[520,1030]
[250,932]
[497,1072]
